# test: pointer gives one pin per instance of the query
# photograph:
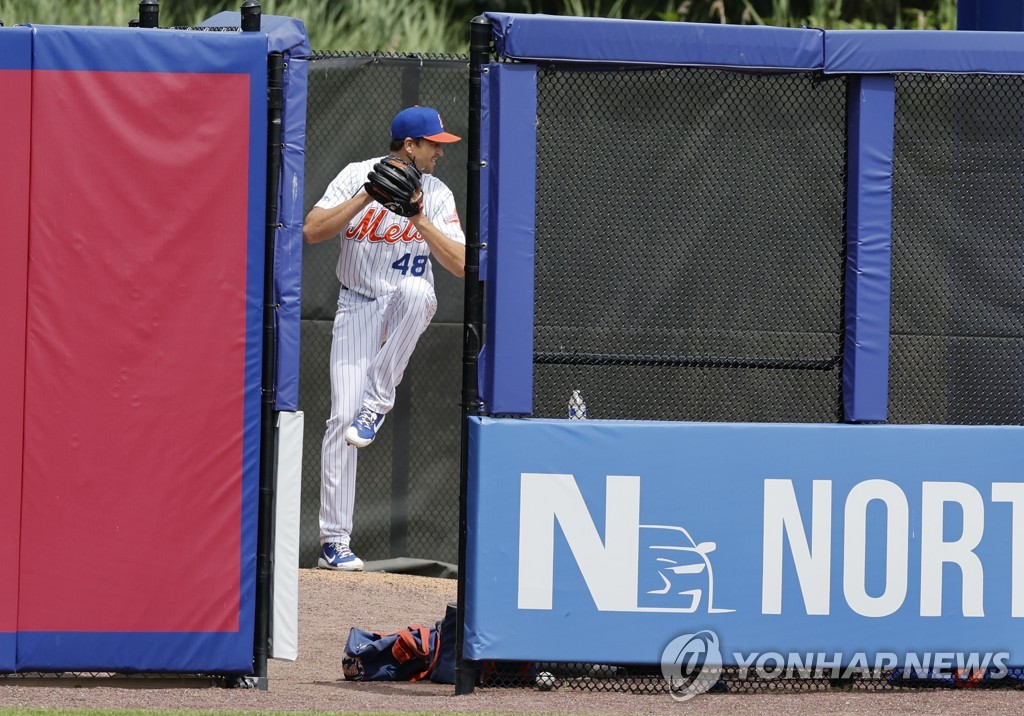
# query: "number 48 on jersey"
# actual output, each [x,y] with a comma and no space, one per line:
[416,267]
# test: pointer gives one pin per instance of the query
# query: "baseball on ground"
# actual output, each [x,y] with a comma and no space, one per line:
[545,681]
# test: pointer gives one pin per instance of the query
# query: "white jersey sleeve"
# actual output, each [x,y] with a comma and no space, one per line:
[346,185]
[439,206]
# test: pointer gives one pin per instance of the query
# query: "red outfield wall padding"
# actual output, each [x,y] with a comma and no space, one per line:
[15,89]
[136,352]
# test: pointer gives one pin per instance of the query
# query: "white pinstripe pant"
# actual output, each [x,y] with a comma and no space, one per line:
[373,340]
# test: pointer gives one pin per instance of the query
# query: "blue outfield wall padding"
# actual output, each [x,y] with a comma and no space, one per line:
[126,652]
[70,48]
[254,353]
[483,375]
[8,649]
[868,248]
[602,40]
[15,48]
[288,248]
[284,34]
[508,186]
[792,538]
[288,36]
[945,51]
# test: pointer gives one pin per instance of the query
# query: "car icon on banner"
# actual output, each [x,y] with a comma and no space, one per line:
[675,571]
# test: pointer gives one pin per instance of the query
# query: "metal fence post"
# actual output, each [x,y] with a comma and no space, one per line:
[465,670]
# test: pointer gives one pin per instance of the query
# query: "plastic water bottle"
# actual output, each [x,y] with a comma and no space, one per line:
[577,408]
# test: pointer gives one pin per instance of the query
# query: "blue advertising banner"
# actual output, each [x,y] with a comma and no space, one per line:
[604,541]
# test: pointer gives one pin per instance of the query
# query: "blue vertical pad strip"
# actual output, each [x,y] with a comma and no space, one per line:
[508,193]
[869,248]
[286,35]
[15,127]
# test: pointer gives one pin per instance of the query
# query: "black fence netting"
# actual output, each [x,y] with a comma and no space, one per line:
[693,679]
[407,492]
[957,336]
[690,249]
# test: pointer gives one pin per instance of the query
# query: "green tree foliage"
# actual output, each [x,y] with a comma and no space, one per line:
[442,26]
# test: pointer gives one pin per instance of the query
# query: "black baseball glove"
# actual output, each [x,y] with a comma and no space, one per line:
[395,184]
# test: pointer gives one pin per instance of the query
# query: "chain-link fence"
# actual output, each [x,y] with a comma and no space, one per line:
[690,244]
[957,346]
[750,679]
[407,493]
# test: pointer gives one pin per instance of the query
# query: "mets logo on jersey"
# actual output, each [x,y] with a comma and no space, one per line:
[369,227]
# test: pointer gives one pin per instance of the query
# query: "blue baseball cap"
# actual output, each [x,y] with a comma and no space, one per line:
[418,122]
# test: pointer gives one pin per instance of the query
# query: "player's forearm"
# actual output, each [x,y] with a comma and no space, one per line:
[323,224]
[450,254]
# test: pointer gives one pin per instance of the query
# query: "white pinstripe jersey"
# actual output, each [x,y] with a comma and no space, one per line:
[378,247]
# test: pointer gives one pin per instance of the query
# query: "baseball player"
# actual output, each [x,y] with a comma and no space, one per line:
[391,214]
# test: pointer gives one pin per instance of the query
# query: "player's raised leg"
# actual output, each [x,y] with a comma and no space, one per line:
[410,308]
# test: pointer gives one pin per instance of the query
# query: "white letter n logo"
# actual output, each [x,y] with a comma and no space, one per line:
[609,568]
